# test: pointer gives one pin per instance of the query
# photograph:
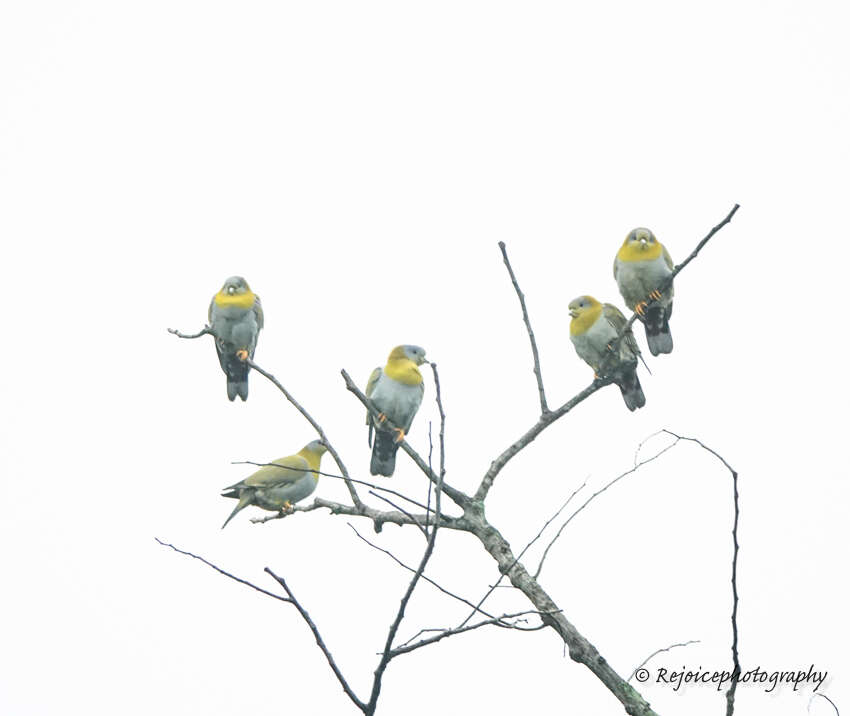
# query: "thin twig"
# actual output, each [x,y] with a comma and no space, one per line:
[426,578]
[310,623]
[824,696]
[206,330]
[496,621]
[736,665]
[656,653]
[544,408]
[335,477]
[592,497]
[430,455]
[318,428]
[221,571]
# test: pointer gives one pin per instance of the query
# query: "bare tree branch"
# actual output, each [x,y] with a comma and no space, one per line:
[736,665]
[304,615]
[318,428]
[547,419]
[656,653]
[206,330]
[544,408]
[591,498]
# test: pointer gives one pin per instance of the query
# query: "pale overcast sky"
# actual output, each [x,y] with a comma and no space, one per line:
[358,162]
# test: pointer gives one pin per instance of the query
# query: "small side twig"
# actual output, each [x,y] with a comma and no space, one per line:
[656,653]
[592,497]
[221,571]
[823,696]
[544,408]
[443,633]
[427,579]
[206,330]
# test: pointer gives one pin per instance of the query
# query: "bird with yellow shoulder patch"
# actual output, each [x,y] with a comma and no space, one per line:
[593,331]
[236,317]
[640,267]
[280,484]
[396,391]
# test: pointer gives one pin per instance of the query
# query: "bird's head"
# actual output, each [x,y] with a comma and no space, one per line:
[581,305]
[235,285]
[640,239]
[316,446]
[413,353]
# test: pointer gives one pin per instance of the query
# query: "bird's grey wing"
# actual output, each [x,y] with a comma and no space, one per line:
[258,312]
[414,406]
[370,388]
[667,259]
[618,321]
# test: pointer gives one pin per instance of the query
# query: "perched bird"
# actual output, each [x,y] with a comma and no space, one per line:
[641,264]
[593,329]
[278,485]
[396,391]
[236,317]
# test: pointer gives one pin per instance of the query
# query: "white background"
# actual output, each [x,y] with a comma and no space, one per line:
[358,163]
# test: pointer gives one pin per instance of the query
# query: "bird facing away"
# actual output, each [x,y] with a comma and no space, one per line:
[641,265]
[279,485]
[236,317]
[593,329]
[396,392]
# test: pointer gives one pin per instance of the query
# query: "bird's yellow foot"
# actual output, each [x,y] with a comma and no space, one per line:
[382,418]
[656,295]
[242,354]
[639,309]
[400,435]
[286,508]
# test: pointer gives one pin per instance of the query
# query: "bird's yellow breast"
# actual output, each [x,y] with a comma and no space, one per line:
[236,300]
[635,251]
[403,370]
[582,323]
[313,460]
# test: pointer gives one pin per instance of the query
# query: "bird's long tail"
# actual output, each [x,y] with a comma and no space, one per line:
[235,388]
[631,390]
[657,327]
[244,501]
[384,449]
